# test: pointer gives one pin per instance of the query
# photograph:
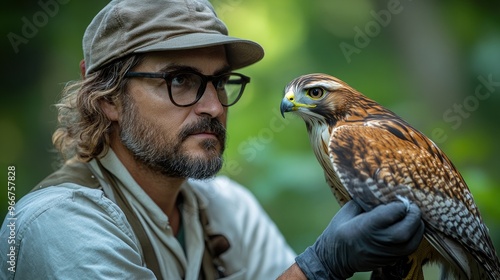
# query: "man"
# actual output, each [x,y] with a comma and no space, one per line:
[140,132]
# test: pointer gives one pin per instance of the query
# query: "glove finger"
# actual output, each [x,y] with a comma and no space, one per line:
[409,226]
[383,216]
[396,249]
[407,233]
[350,210]
[415,240]
[353,207]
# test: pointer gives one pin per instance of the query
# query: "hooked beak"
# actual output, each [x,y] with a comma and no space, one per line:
[288,104]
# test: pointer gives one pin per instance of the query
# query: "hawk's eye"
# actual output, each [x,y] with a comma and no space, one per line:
[316,93]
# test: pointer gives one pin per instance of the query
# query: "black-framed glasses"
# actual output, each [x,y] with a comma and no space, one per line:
[186,87]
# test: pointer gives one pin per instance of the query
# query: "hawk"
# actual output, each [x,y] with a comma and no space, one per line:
[372,156]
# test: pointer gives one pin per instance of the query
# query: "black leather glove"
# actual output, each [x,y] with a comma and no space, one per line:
[362,241]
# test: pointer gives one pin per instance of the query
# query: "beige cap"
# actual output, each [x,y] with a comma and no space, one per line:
[137,26]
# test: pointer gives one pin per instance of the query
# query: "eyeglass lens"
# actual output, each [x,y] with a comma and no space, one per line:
[186,88]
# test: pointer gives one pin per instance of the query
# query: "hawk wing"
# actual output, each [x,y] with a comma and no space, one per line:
[377,161]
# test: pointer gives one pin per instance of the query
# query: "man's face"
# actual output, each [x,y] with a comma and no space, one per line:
[175,141]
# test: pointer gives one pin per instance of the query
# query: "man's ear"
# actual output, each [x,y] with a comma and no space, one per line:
[82,68]
[112,110]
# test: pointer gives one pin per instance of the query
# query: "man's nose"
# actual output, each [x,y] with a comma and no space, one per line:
[209,102]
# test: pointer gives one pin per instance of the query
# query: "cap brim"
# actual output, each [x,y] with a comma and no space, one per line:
[240,52]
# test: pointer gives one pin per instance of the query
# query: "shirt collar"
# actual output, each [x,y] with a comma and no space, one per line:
[138,197]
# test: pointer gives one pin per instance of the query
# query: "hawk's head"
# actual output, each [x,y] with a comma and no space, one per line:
[318,98]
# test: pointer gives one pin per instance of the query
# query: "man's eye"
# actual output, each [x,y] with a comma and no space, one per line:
[179,80]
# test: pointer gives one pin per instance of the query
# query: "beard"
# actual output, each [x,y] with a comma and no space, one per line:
[163,153]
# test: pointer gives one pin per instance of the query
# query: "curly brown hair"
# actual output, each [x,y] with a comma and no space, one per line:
[84,129]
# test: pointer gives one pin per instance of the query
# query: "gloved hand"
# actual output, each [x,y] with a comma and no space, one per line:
[362,241]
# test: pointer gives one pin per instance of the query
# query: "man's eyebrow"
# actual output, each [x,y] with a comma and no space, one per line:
[223,70]
[179,67]
[176,67]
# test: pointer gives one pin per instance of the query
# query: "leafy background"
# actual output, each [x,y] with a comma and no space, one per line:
[422,59]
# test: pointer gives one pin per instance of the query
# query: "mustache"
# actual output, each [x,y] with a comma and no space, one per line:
[210,125]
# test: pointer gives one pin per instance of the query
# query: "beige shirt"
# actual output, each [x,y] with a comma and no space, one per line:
[258,250]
